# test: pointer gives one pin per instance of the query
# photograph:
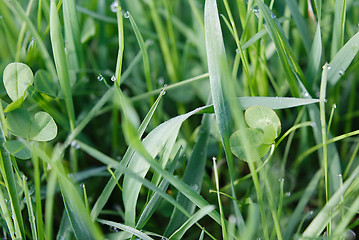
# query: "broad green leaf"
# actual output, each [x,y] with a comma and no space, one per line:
[254,139]
[40,127]
[260,117]
[46,84]
[43,127]
[17,77]
[19,123]
[17,149]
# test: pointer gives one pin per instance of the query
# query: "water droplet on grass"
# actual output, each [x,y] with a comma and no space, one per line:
[114,229]
[238,50]
[314,125]
[126,14]
[339,175]
[82,185]
[311,212]
[114,7]
[195,187]
[306,94]
[287,194]
[325,100]
[113,78]
[334,106]
[281,179]
[341,72]
[73,143]
[273,15]
[24,177]
[99,78]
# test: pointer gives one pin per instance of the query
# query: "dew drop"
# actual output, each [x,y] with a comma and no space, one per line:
[281,179]
[24,177]
[329,67]
[113,78]
[126,14]
[82,185]
[306,94]
[161,81]
[73,143]
[341,72]
[195,187]
[99,78]
[339,175]
[66,51]
[255,10]
[325,100]
[238,50]
[114,229]
[114,6]
[273,15]
[311,212]
[334,106]
[287,194]
[313,124]
[214,158]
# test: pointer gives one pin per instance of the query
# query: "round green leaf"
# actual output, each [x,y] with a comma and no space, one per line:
[261,117]
[17,77]
[43,127]
[17,149]
[19,122]
[254,138]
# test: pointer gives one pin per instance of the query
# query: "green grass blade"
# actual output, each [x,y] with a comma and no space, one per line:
[37,183]
[192,220]
[341,61]
[321,220]
[146,63]
[58,49]
[30,209]
[126,228]
[9,179]
[75,56]
[315,56]
[193,175]
[338,26]
[298,212]
[103,198]
[20,13]
[300,23]
[5,214]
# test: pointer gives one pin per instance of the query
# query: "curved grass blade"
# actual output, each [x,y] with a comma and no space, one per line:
[321,220]
[103,198]
[341,61]
[58,49]
[192,220]
[193,175]
[126,228]
[8,176]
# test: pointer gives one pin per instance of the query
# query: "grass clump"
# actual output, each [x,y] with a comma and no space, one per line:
[178,120]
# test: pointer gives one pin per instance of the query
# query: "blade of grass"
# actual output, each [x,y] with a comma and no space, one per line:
[341,61]
[58,49]
[193,175]
[126,228]
[300,23]
[103,198]
[37,183]
[30,209]
[75,55]
[318,224]
[146,63]
[338,26]
[20,14]
[9,180]
[315,57]
[192,220]
[49,205]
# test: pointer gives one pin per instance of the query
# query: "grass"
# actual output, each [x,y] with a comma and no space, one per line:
[119,122]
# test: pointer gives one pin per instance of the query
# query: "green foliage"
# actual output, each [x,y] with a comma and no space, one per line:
[238,82]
